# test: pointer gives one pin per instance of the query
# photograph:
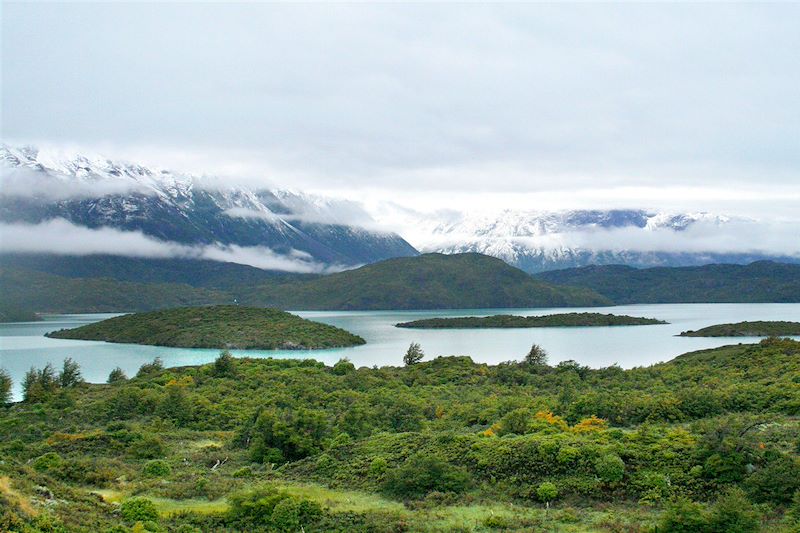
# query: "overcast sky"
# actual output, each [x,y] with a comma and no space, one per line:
[550,106]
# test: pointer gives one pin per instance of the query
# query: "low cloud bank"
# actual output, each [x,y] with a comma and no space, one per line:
[735,236]
[25,182]
[59,236]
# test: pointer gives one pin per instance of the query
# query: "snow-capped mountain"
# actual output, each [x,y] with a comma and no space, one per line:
[545,240]
[94,192]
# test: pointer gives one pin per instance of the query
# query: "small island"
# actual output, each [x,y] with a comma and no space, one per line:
[547,321]
[747,329]
[219,326]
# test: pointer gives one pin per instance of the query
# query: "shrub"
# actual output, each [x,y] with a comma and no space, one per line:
[138,510]
[610,468]
[157,468]
[517,422]
[245,471]
[147,448]
[422,474]
[48,462]
[294,433]
[546,492]
[494,521]
[269,506]
[733,512]
[776,481]
[343,367]
[378,468]
[683,516]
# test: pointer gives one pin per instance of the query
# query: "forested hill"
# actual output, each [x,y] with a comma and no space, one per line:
[216,326]
[561,320]
[429,281]
[109,284]
[762,281]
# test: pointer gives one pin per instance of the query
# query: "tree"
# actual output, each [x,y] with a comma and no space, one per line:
[117,376]
[537,357]
[149,368]
[70,375]
[30,386]
[39,385]
[5,387]
[47,378]
[224,365]
[413,355]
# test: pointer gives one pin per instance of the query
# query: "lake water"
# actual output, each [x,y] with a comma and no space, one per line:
[23,345]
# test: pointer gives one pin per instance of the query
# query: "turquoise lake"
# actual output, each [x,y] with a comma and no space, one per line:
[23,345]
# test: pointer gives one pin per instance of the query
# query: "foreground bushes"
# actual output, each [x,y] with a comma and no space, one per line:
[269,507]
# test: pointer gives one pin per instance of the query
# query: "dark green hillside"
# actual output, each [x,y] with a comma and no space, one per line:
[10,313]
[220,326]
[708,442]
[546,321]
[747,329]
[195,272]
[48,293]
[762,281]
[429,281]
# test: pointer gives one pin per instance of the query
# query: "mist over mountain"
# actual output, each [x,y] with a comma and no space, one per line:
[68,203]
[537,241]
[77,204]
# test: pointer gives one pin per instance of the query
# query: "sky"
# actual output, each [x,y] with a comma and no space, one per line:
[677,106]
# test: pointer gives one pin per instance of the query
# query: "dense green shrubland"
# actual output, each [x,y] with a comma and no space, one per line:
[706,442]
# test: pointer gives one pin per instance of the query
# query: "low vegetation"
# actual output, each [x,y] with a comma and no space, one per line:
[221,326]
[546,321]
[747,329]
[708,442]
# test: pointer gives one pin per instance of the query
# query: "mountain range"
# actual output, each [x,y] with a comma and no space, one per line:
[537,241]
[185,209]
[316,234]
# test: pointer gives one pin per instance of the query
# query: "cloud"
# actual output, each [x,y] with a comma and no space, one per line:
[702,236]
[27,182]
[419,97]
[61,237]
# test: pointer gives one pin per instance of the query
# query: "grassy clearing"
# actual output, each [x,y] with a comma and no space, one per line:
[16,498]
[168,507]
